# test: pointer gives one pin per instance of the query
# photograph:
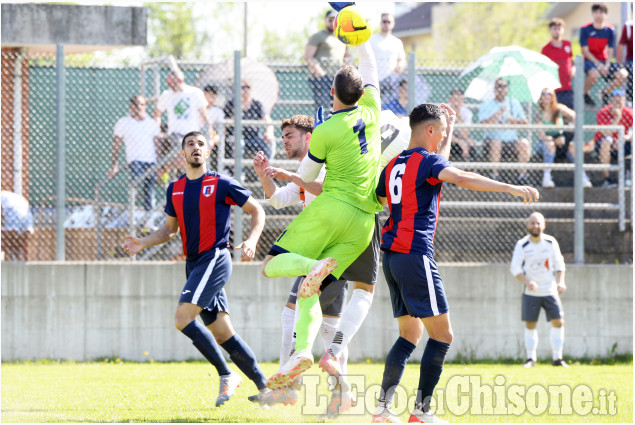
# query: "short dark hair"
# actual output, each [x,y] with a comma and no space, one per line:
[348,85]
[556,22]
[599,6]
[303,123]
[424,113]
[456,91]
[210,88]
[501,79]
[190,134]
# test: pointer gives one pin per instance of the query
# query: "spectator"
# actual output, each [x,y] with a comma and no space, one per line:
[390,54]
[139,132]
[559,51]
[399,104]
[463,148]
[598,44]
[252,109]
[538,264]
[214,113]
[625,55]
[186,109]
[606,142]
[17,225]
[324,55]
[506,143]
[554,145]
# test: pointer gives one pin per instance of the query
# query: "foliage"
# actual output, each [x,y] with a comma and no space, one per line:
[474,28]
[290,46]
[175,29]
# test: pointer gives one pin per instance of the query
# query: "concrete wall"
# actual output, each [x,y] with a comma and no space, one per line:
[84,311]
[50,24]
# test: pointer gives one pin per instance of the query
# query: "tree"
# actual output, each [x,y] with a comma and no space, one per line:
[290,46]
[176,30]
[474,28]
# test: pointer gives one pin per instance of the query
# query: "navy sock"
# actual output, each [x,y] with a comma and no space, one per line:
[393,370]
[244,358]
[430,370]
[203,340]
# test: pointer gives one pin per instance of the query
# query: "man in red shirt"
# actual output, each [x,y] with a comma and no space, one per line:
[559,51]
[606,142]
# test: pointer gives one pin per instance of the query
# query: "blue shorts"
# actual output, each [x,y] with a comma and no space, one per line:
[613,68]
[416,288]
[206,279]
[531,306]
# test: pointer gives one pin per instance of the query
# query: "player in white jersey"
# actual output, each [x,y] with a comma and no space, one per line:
[538,264]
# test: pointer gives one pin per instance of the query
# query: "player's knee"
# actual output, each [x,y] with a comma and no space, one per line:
[530,325]
[557,323]
[181,321]
[262,268]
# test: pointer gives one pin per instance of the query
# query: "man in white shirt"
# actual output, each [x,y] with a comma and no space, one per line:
[138,131]
[186,107]
[538,264]
[389,53]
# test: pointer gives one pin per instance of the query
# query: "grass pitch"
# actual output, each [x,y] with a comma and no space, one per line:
[116,391]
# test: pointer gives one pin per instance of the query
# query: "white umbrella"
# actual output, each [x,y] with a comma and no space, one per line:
[527,72]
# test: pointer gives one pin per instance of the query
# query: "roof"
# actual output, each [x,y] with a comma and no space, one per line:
[560,9]
[416,21]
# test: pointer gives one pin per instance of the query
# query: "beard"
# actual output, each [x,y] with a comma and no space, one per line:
[535,232]
[195,162]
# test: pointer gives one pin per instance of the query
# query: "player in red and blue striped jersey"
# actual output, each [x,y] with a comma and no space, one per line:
[411,185]
[198,204]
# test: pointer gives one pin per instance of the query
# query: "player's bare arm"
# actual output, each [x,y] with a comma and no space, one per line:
[314,187]
[382,200]
[479,183]
[446,143]
[248,246]
[134,245]
[530,284]
[560,285]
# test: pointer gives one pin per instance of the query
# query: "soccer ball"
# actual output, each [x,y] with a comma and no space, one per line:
[350,27]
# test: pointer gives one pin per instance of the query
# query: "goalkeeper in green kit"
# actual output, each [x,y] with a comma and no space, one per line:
[328,235]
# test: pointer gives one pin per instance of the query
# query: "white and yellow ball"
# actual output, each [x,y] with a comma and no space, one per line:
[350,28]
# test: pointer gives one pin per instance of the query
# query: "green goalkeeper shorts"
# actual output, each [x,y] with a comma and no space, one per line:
[328,227]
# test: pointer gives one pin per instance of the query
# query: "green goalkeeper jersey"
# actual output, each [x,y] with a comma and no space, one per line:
[349,143]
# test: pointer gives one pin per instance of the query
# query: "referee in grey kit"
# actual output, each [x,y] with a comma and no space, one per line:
[538,264]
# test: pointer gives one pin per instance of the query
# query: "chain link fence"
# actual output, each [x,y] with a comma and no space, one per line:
[119,160]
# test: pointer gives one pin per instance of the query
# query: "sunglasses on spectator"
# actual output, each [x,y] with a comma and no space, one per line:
[545,93]
[385,21]
[245,87]
[501,86]
[137,103]
[618,92]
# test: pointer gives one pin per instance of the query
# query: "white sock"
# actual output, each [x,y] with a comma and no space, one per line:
[557,342]
[344,360]
[328,329]
[531,343]
[287,319]
[352,319]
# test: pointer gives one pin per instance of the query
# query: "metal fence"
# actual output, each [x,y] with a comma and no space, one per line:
[111,192]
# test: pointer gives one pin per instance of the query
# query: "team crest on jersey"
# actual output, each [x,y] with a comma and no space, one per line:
[208,190]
